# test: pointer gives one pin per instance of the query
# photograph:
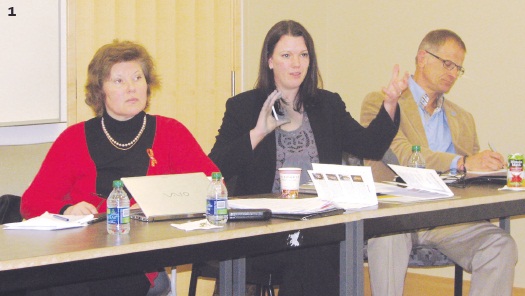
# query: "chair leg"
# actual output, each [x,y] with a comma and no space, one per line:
[269,287]
[271,292]
[195,273]
[458,280]
[267,290]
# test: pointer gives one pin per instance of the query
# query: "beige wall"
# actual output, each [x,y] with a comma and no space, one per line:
[358,42]
[192,43]
[19,165]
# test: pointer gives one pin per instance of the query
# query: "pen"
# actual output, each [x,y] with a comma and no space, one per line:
[490,147]
[274,113]
[61,218]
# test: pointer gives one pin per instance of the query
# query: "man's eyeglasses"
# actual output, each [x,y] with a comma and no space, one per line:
[449,65]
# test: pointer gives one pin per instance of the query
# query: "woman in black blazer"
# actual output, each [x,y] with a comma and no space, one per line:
[252,144]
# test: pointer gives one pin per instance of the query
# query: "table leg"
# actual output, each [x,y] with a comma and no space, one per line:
[351,280]
[225,278]
[504,223]
[239,277]
[173,281]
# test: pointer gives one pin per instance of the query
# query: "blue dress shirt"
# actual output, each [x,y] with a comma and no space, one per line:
[436,126]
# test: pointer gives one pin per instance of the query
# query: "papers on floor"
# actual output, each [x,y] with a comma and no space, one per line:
[420,185]
[349,187]
[49,221]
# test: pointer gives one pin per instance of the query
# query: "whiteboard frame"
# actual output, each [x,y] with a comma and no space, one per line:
[44,133]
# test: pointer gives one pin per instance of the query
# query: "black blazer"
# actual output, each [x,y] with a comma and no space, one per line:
[248,171]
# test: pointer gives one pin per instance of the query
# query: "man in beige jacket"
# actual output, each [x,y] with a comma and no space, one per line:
[448,139]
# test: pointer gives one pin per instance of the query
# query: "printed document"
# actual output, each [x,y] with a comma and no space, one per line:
[420,185]
[349,187]
[49,221]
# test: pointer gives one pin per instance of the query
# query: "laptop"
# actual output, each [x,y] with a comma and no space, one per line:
[168,197]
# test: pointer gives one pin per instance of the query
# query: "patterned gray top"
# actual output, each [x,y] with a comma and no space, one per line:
[295,149]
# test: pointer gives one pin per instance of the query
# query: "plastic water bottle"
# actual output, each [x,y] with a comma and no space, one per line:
[217,201]
[118,210]
[416,159]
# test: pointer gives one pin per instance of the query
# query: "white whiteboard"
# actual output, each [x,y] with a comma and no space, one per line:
[32,70]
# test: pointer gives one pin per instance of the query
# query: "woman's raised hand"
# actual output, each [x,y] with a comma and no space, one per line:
[393,91]
[267,122]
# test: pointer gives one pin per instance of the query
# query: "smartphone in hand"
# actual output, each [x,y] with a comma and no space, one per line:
[279,113]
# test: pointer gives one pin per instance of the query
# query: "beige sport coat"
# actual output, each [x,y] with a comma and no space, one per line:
[411,132]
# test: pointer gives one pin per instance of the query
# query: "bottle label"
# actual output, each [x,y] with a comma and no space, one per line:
[118,215]
[217,207]
[515,173]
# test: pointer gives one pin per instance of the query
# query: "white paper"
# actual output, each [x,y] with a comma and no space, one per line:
[349,187]
[498,173]
[512,188]
[49,221]
[196,225]
[393,193]
[282,205]
[421,185]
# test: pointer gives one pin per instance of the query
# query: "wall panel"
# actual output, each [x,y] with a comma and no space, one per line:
[190,42]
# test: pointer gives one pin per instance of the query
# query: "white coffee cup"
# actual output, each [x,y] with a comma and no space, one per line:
[290,181]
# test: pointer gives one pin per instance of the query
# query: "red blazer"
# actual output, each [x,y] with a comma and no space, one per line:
[68,174]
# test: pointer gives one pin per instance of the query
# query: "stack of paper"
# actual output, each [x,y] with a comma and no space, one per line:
[475,174]
[283,206]
[421,185]
[49,221]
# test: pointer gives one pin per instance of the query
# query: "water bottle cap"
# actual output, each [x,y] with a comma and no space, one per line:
[117,183]
[216,176]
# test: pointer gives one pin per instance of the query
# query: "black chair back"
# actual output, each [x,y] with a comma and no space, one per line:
[10,208]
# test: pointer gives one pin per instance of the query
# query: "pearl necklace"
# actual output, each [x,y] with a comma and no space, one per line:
[126,146]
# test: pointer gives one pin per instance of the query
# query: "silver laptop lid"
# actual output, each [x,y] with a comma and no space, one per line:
[166,197]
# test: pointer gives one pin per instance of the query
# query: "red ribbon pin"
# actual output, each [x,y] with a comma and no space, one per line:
[153,161]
